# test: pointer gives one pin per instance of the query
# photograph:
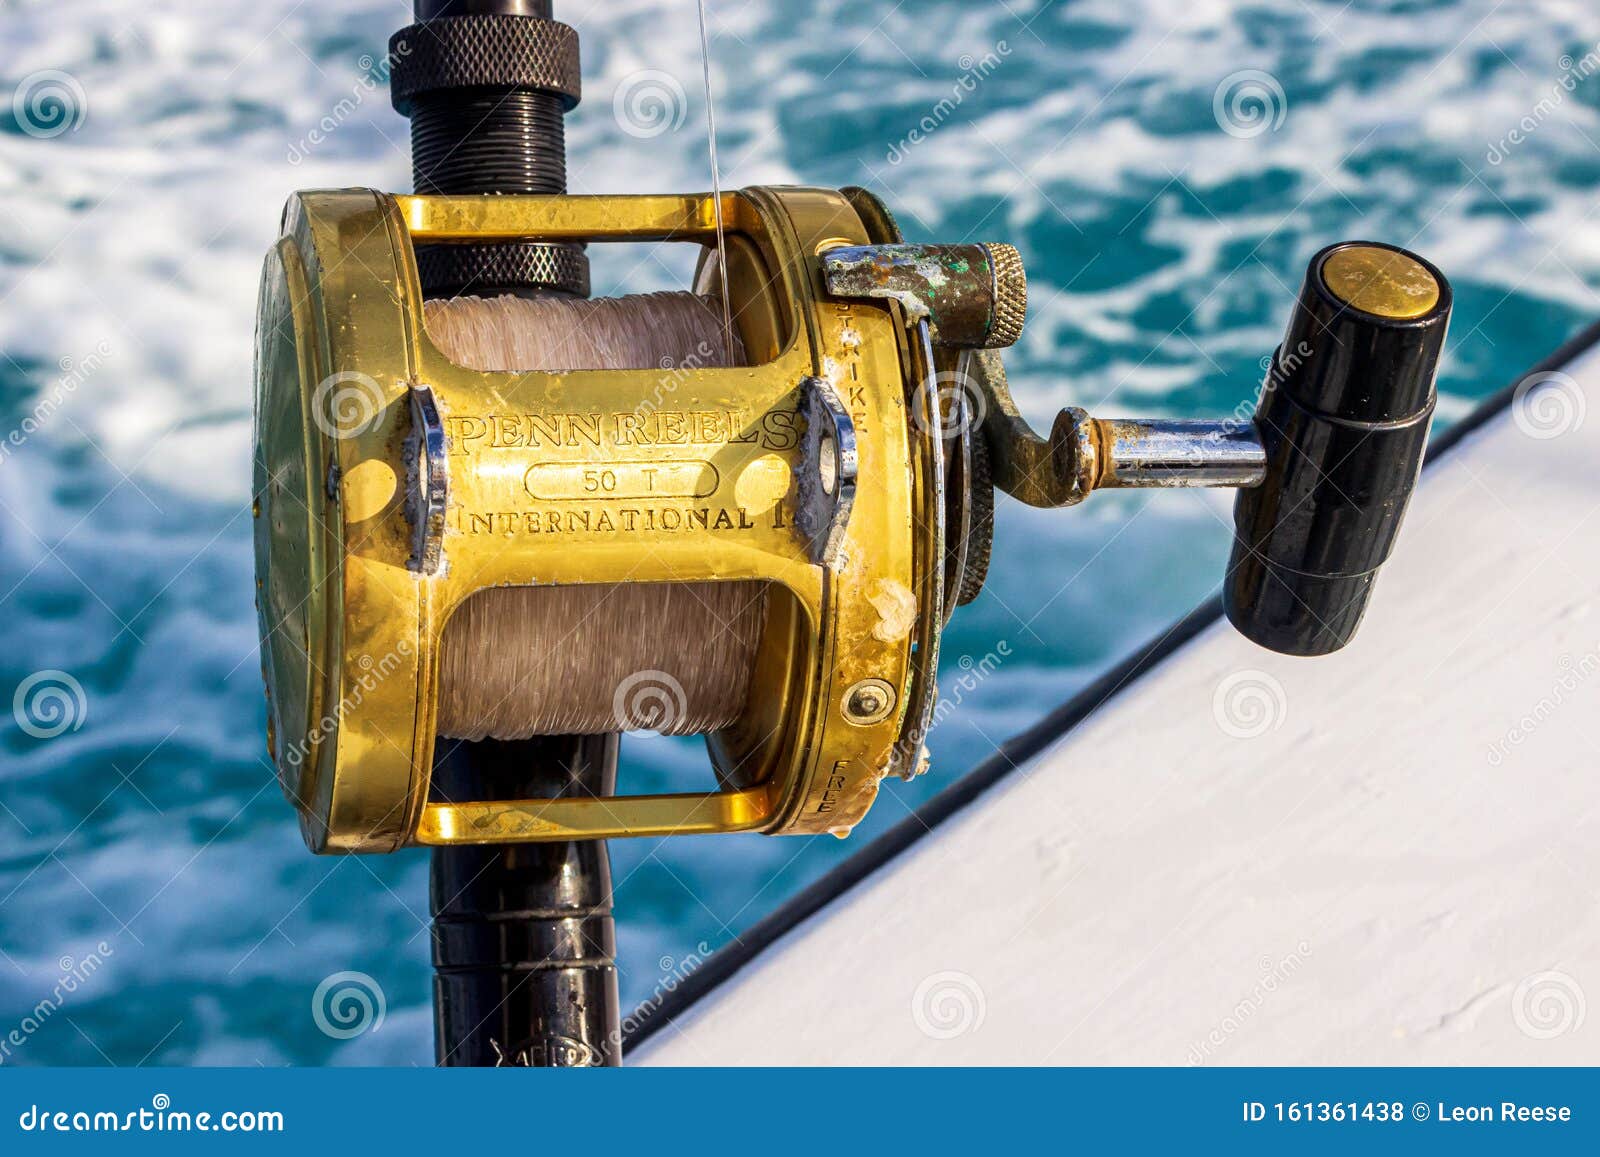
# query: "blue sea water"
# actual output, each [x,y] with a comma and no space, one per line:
[1165,166]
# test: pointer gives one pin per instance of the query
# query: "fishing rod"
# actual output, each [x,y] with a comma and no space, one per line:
[524,944]
[498,522]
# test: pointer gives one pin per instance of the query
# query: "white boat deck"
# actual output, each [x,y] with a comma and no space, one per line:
[1396,861]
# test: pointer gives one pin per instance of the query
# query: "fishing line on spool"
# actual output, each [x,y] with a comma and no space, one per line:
[675,658]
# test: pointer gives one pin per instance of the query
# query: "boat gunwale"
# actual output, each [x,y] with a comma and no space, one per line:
[726,962]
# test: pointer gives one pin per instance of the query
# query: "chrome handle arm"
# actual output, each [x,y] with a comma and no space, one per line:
[1084,454]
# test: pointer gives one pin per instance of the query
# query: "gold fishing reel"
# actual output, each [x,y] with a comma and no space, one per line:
[846,470]
[394,486]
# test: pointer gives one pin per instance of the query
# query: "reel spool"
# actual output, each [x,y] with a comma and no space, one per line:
[520,662]
[825,503]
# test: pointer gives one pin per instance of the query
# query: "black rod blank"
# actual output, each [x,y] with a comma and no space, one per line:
[524,945]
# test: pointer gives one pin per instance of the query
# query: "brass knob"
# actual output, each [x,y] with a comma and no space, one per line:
[1383,282]
[1010,309]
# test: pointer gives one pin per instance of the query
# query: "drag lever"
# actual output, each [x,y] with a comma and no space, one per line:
[1325,469]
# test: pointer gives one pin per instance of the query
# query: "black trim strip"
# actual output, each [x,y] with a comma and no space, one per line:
[727,961]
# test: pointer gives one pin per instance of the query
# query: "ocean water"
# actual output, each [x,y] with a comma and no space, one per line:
[1165,166]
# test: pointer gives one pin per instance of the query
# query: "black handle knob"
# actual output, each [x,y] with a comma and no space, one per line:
[1344,421]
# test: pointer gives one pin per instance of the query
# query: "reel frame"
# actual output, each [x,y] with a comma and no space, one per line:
[394,484]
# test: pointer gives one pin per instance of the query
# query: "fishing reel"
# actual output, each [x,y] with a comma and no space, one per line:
[846,471]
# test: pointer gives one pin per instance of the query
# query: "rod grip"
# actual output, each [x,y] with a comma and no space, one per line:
[1344,420]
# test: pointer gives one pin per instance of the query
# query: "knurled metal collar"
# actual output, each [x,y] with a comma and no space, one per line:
[484,52]
[1010,296]
[498,268]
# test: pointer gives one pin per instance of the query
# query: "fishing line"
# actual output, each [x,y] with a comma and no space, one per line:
[716,179]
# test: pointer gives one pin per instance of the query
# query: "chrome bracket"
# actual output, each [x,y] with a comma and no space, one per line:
[427,481]
[829,463]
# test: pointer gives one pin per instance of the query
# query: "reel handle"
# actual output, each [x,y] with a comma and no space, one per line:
[1343,420]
